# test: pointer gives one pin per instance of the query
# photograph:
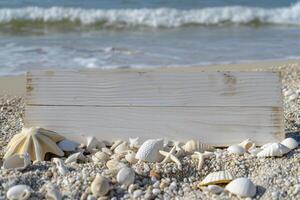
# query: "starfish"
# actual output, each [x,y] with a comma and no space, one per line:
[36,142]
[169,156]
[201,157]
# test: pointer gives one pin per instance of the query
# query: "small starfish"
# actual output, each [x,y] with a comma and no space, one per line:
[169,156]
[201,157]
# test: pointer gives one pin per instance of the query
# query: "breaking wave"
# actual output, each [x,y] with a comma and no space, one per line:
[161,17]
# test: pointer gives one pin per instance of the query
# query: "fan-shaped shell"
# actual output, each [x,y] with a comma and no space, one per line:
[247,144]
[242,187]
[75,157]
[236,149]
[219,177]
[193,145]
[100,157]
[126,176]
[273,150]
[100,186]
[67,145]
[20,192]
[18,162]
[36,142]
[149,151]
[291,143]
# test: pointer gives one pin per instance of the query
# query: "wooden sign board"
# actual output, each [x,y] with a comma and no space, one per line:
[219,108]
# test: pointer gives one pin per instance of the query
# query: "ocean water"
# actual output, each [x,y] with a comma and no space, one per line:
[141,33]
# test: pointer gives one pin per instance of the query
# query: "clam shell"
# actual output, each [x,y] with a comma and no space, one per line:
[18,162]
[20,192]
[126,176]
[100,186]
[74,157]
[100,157]
[149,151]
[67,145]
[273,150]
[236,149]
[242,187]
[193,145]
[219,177]
[291,143]
[130,157]
[247,144]
[61,168]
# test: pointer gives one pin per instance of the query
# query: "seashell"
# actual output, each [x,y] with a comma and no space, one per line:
[36,142]
[149,151]
[100,186]
[236,149]
[19,192]
[60,166]
[93,143]
[52,192]
[134,143]
[193,145]
[266,145]
[254,150]
[121,148]
[115,144]
[75,157]
[126,176]
[107,151]
[18,162]
[219,177]
[247,144]
[215,189]
[273,150]
[114,166]
[293,96]
[100,157]
[291,143]
[130,157]
[242,187]
[67,145]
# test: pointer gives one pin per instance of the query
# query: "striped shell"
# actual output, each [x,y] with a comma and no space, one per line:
[242,187]
[273,150]
[149,151]
[291,143]
[219,177]
[193,145]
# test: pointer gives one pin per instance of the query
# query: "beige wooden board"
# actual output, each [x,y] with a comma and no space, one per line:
[215,125]
[220,108]
[126,88]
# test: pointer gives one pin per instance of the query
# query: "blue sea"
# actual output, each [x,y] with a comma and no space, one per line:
[47,34]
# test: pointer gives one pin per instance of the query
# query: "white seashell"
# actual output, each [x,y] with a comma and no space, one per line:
[114,166]
[266,145]
[18,192]
[193,145]
[149,151]
[247,144]
[115,144]
[93,143]
[215,189]
[254,150]
[218,177]
[75,157]
[100,186]
[275,149]
[61,168]
[242,187]
[291,143]
[130,157]
[121,148]
[126,176]
[134,143]
[293,96]
[52,192]
[236,149]
[288,92]
[18,162]
[67,145]
[100,157]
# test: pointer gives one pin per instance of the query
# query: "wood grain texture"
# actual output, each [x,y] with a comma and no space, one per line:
[126,88]
[215,125]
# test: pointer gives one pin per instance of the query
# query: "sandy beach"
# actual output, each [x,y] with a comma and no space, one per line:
[275,178]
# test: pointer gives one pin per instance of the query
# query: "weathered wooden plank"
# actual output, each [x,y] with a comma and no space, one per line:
[153,88]
[216,125]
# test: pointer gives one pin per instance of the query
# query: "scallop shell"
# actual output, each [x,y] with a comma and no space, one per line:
[61,168]
[100,186]
[100,157]
[20,192]
[149,151]
[121,148]
[242,187]
[67,145]
[75,157]
[219,177]
[193,145]
[130,157]
[114,166]
[126,176]
[236,149]
[18,162]
[93,143]
[291,143]
[273,150]
[247,144]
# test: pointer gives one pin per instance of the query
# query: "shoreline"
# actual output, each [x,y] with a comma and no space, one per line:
[14,85]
